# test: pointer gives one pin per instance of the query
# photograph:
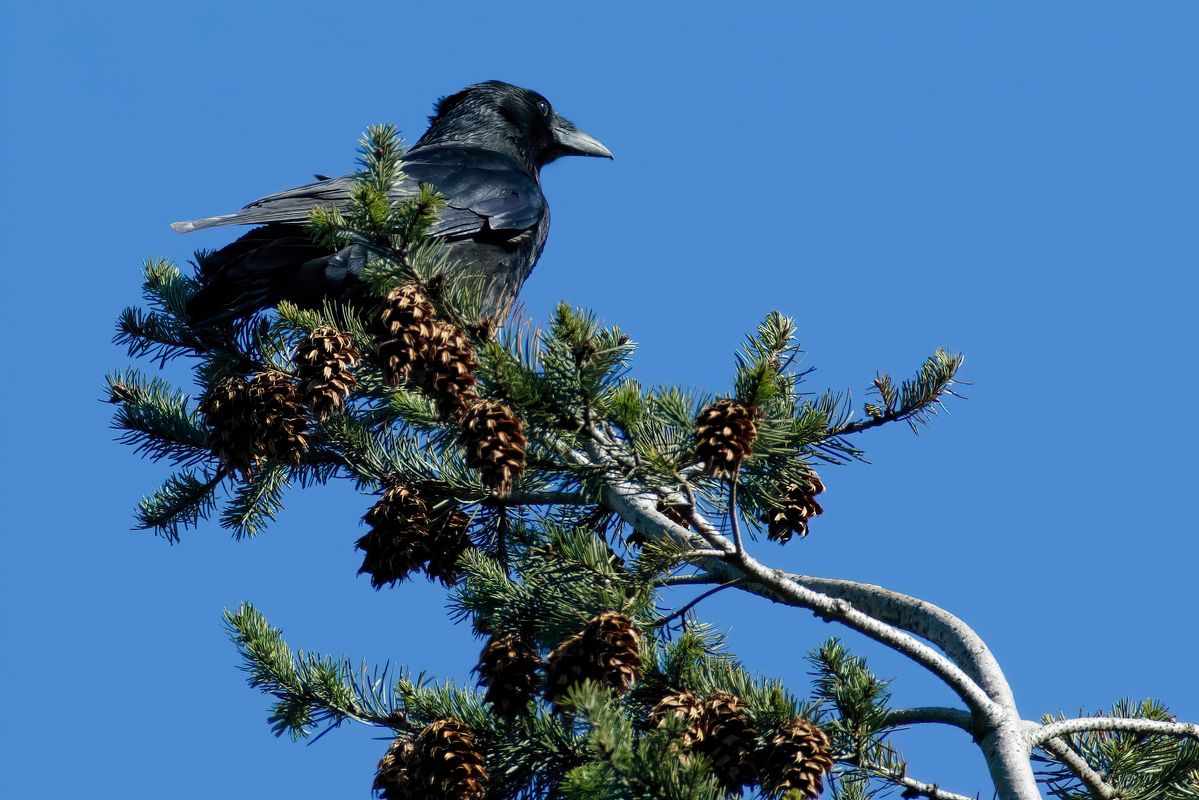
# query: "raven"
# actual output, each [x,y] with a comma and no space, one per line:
[483,152]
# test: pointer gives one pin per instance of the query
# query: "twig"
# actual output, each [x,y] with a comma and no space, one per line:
[692,579]
[734,525]
[684,609]
[538,499]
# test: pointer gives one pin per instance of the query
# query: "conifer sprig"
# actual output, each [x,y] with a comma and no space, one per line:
[914,401]
[310,690]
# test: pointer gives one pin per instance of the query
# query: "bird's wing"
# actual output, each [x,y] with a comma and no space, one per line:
[482,189]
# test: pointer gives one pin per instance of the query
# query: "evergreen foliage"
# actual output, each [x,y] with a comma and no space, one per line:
[529,445]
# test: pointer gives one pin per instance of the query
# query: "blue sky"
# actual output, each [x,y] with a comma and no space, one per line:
[1018,181]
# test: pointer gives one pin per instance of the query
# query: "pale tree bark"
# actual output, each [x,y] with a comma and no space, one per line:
[929,635]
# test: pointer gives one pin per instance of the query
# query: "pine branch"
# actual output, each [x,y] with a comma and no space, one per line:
[256,501]
[180,503]
[915,401]
[310,690]
[155,419]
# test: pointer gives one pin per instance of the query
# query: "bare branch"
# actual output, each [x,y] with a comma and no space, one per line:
[1111,724]
[925,715]
[928,621]
[638,507]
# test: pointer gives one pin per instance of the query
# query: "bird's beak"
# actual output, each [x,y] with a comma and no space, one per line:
[571,141]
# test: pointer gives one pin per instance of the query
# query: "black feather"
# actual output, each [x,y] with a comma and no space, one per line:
[483,152]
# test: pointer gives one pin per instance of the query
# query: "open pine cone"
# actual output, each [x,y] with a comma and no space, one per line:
[495,443]
[442,761]
[797,505]
[230,433]
[278,418]
[413,529]
[447,370]
[402,330]
[607,651]
[727,737]
[797,758]
[324,363]
[508,667]
[688,708]
[724,436]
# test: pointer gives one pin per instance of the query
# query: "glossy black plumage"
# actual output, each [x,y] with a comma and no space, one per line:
[483,152]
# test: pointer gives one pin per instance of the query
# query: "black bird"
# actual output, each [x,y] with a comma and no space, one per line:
[483,152]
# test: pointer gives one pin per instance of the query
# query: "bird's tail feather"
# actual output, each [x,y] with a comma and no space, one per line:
[206,222]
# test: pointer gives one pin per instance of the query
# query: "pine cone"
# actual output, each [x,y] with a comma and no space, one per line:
[686,706]
[508,668]
[724,436]
[230,425]
[441,761]
[323,368]
[412,528]
[279,421]
[447,370]
[798,504]
[727,738]
[607,651]
[797,758]
[495,443]
[449,540]
[398,542]
[447,763]
[393,779]
[402,331]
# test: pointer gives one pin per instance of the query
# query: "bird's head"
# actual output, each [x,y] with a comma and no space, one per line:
[507,118]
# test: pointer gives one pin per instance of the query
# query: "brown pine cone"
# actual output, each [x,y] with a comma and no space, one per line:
[797,758]
[398,542]
[797,505]
[278,418]
[393,779]
[607,651]
[442,761]
[402,330]
[495,443]
[448,541]
[447,370]
[690,710]
[727,737]
[724,436]
[447,763]
[413,528]
[508,667]
[229,423]
[324,361]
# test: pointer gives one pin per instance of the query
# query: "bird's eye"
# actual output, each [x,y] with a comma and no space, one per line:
[543,107]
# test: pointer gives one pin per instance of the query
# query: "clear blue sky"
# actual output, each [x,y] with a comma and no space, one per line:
[1015,180]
